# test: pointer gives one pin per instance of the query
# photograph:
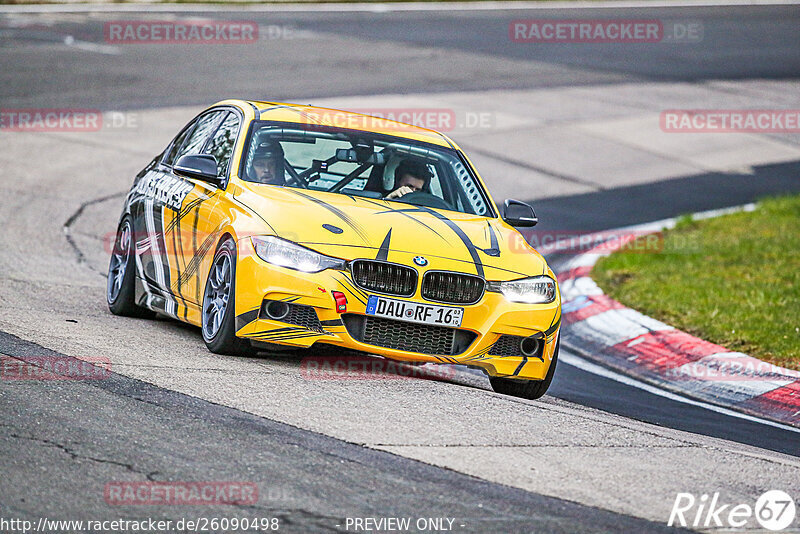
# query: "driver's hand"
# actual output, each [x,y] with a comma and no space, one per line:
[399,192]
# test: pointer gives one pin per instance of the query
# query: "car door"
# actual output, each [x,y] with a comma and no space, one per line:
[197,231]
[168,211]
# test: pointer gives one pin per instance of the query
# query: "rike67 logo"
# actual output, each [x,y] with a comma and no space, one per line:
[774,510]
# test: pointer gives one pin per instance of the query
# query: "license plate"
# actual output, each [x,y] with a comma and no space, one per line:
[414,312]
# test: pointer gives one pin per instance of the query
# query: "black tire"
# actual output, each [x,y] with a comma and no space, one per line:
[526,389]
[218,324]
[120,288]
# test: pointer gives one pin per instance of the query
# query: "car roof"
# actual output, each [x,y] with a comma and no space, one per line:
[306,114]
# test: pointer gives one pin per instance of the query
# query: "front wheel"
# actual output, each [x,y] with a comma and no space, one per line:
[526,389]
[219,308]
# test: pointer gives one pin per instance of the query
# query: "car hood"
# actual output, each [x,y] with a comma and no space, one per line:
[351,227]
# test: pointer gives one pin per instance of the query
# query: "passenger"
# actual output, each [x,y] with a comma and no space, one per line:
[267,164]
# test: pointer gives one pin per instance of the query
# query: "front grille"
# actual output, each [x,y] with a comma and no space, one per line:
[410,337]
[383,277]
[453,288]
[300,315]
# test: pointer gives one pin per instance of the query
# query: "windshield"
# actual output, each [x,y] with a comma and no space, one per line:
[362,164]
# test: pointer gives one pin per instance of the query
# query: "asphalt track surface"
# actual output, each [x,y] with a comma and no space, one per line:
[443,51]
[139,429]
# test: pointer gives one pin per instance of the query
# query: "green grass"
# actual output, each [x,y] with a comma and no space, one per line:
[733,280]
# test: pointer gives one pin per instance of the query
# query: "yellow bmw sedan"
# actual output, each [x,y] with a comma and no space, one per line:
[277,224]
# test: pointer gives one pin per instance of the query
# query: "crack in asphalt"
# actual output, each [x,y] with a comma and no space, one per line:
[284,512]
[81,258]
[149,475]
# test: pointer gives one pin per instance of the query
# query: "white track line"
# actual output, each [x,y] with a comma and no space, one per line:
[589,367]
[311,7]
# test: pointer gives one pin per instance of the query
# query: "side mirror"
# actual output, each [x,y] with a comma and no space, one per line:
[199,166]
[518,213]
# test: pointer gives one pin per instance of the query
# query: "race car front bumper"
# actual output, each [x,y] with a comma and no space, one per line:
[490,330]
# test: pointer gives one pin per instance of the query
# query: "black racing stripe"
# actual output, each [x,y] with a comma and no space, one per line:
[194,263]
[163,257]
[494,247]
[196,210]
[281,335]
[352,223]
[553,328]
[254,212]
[287,337]
[177,246]
[349,283]
[351,291]
[186,210]
[332,322]
[389,209]
[383,252]
[278,337]
[277,330]
[471,248]
[502,269]
[520,366]
[479,355]
[246,318]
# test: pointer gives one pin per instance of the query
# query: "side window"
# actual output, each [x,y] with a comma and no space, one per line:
[221,144]
[195,141]
[176,145]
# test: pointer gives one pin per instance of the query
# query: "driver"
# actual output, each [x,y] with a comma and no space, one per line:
[267,164]
[410,176]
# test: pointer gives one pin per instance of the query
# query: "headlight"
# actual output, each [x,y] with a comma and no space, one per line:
[284,253]
[536,290]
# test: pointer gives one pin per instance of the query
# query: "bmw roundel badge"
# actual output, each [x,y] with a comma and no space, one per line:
[419,260]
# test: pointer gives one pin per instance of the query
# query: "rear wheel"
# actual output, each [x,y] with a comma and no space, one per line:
[120,289]
[526,389]
[219,316]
